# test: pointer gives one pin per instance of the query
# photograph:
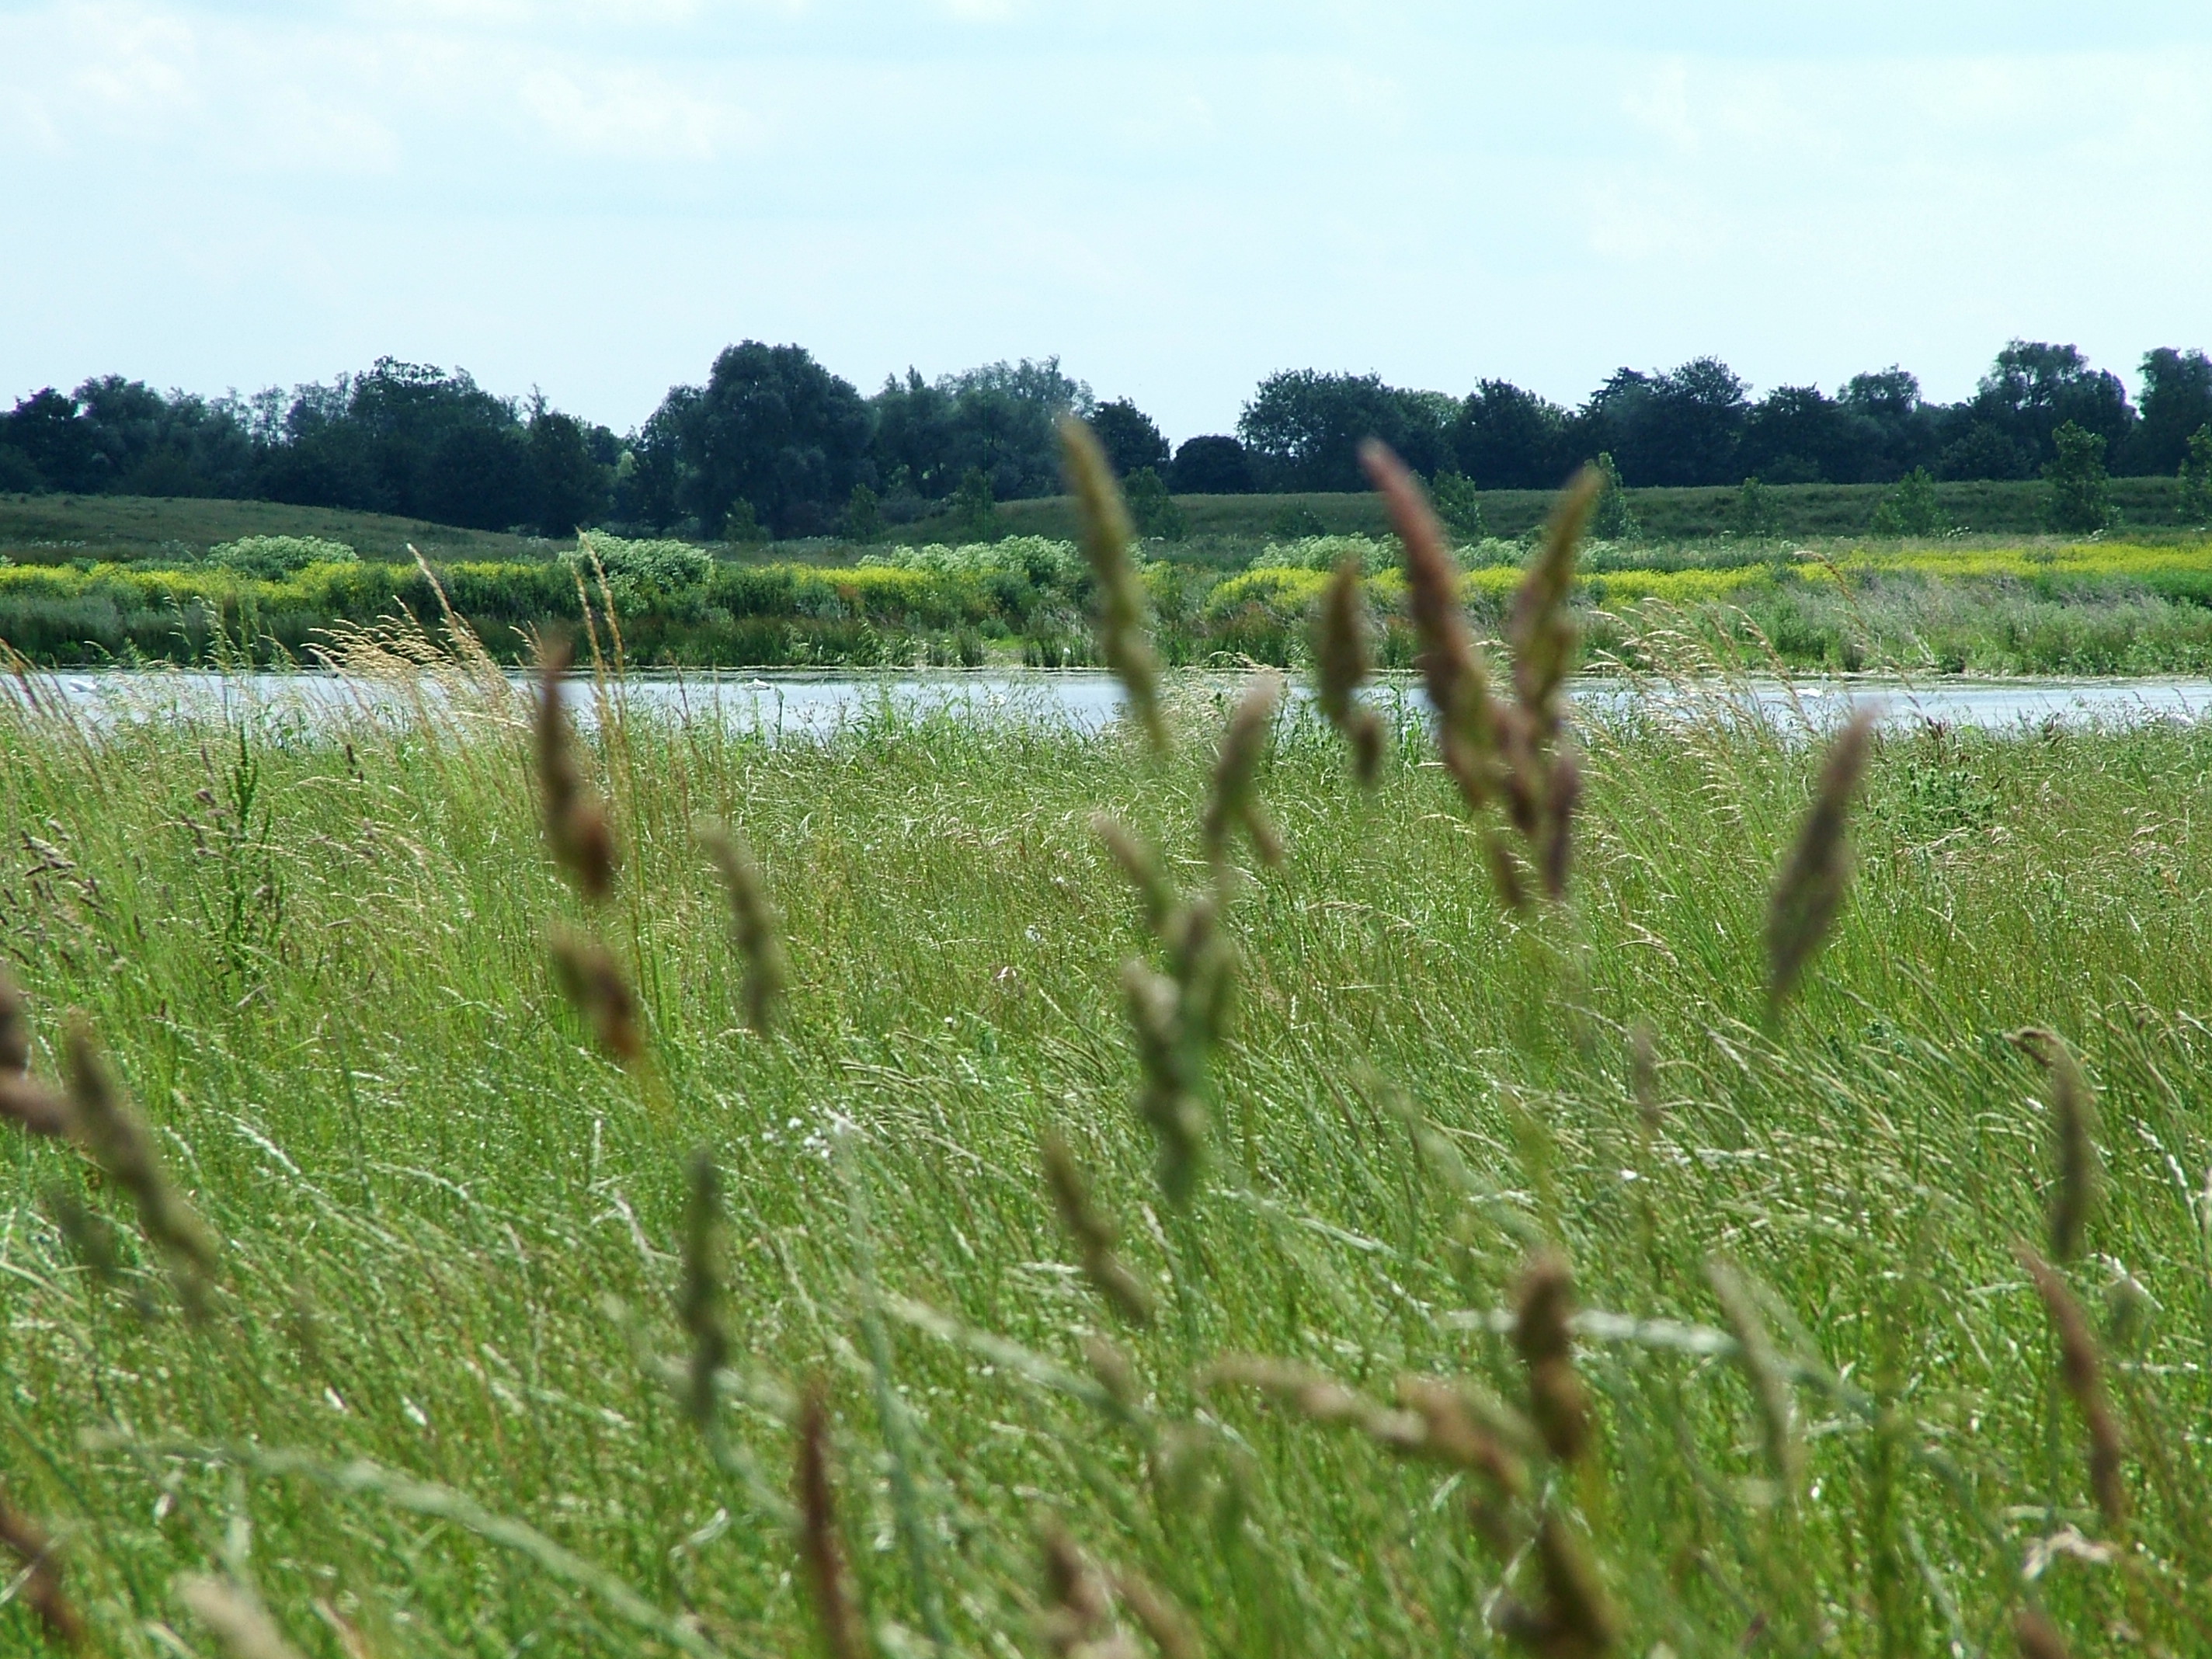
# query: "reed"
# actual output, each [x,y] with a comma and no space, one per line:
[1124,633]
[1343,661]
[2081,1372]
[821,1550]
[38,1581]
[754,927]
[1093,1232]
[2073,1138]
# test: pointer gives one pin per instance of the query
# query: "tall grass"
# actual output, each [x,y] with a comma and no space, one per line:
[1435,1355]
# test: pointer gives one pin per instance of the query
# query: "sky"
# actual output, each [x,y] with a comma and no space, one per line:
[1176,197]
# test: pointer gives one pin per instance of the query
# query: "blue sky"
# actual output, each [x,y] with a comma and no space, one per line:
[593,197]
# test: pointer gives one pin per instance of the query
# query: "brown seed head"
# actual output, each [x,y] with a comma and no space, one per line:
[1576,1620]
[42,1589]
[1124,615]
[1811,886]
[1168,1100]
[15,1029]
[1540,626]
[1644,1076]
[1452,669]
[109,1128]
[1562,793]
[753,925]
[1557,1399]
[1453,1433]
[699,1298]
[1169,1626]
[1076,1621]
[821,1553]
[577,829]
[2038,1638]
[1234,799]
[1092,1231]
[1342,661]
[1770,1388]
[593,981]
[2081,1370]
[2074,1139]
[32,1106]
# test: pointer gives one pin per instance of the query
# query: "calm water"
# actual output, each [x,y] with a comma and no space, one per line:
[796,703]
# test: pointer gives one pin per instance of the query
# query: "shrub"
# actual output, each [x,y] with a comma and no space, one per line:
[2197,478]
[270,559]
[1910,509]
[1151,510]
[1327,552]
[641,574]
[1459,504]
[2080,497]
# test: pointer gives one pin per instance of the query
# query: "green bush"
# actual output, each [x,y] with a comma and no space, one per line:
[272,557]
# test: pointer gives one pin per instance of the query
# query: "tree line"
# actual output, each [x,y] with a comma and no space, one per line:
[772,442]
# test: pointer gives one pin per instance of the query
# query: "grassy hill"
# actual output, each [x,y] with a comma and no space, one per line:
[126,529]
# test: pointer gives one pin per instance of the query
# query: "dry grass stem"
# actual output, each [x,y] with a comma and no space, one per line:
[1343,659]
[2074,1139]
[821,1553]
[699,1295]
[117,1137]
[238,1620]
[1544,1302]
[754,927]
[1812,884]
[1124,613]
[15,1029]
[1234,799]
[2081,1371]
[1093,1231]
[578,832]
[42,1589]
[1077,1619]
[1771,1390]
[593,982]
[1169,1626]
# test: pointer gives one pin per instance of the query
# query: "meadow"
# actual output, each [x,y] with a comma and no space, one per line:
[1504,1278]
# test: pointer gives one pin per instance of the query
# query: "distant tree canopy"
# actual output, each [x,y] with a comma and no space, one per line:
[775,440]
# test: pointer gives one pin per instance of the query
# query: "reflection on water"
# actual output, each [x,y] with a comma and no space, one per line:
[803,704]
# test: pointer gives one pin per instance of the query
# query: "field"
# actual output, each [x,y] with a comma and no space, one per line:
[446,1394]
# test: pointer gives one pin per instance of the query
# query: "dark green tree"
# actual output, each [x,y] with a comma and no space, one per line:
[1504,438]
[1611,518]
[1214,465]
[1459,504]
[774,428]
[1128,435]
[2196,472]
[864,514]
[2176,402]
[1910,509]
[2080,496]
[571,487]
[1755,514]
[1306,427]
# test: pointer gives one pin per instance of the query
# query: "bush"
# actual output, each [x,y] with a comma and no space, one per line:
[270,559]
[641,574]
[1910,509]
[2197,478]
[1151,510]
[1459,504]
[1327,552]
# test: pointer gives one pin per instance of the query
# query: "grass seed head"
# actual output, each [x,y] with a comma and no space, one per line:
[1770,1388]
[1812,884]
[238,1620]
[2080,1372]
[1124,613]
[1452,668]
[1077,1619]
[110,1128]
[1169,1100]
[1544,1303]
[1169,1626]
[1644,1076]
[1453,1432]
[1540,627]
[2074,1139]
[699,1298]
[821,1552]
[33,1107]
[1234,799]
[1093,1231]
[577,830]
[753,925]
[1563,794]
[593,980]
[1343,659]
[40,1587]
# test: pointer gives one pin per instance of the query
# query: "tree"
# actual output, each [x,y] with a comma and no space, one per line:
[2031,389]
[774,428]
[1797,434]
[1504,438]
[2080,496]
[1214,465]
[973,507]
[864,514]
[1910,509]
[1306,427]
[1682,427]
[479,477]
[1754,509]
[2195,473]
[1459,504]
[50,433]
[1002,417]
[569,485]
[1892,429]
[2176,402]
[1151,510]
[1128,435]
[1610,518]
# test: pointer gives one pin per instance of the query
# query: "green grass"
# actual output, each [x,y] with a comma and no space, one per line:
[126,529]
[319,957]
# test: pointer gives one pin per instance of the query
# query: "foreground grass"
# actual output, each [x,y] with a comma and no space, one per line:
[451,1232]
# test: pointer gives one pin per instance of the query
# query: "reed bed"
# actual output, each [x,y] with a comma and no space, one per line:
[1282,1220]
